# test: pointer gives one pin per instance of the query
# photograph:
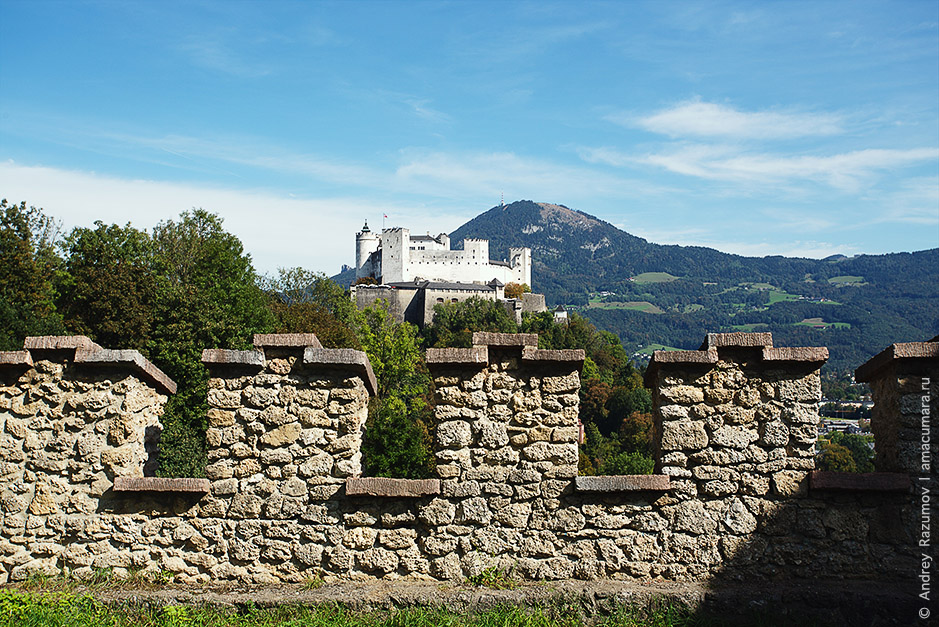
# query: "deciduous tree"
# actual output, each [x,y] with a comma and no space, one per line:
[28,264]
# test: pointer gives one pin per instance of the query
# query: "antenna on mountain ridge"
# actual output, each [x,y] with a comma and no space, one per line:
[502,199]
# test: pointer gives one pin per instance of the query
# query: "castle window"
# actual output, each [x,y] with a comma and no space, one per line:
[439,300]
[455,300]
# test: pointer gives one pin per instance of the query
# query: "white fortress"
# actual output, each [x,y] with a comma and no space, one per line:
[395,256]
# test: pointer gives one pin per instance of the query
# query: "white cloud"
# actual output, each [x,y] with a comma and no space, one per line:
[848,171]
[315,233]
[706,119]
[213,54]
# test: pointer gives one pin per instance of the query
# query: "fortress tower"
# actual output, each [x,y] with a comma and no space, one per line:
[366,243]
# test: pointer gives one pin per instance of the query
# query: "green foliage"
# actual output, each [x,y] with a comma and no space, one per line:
[397,440]
[109,288]
[211,299]
[495,578]
[857,445]
[308,302]
[454,323]
[515,290]
[29,263]
[39,610]
[836,458]
[626,463]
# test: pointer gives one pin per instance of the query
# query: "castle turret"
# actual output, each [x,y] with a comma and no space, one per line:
[366,243]
[520,260]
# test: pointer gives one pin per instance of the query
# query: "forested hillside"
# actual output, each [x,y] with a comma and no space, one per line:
[653,295]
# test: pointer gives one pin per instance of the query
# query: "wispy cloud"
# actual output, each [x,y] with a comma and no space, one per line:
[278,230]
[706,119]
[848,171]
[213,53]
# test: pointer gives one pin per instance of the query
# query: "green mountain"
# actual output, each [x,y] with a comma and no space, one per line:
[653,295]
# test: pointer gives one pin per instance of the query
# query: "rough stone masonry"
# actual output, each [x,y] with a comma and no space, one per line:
[734,494]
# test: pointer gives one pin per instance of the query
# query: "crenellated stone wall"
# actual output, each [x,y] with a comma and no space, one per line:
[734,495]
[73,417]
[904,380]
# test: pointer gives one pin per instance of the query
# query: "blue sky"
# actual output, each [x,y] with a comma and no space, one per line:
[795,128]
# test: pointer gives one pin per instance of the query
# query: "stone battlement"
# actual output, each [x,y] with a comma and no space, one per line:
[735,494]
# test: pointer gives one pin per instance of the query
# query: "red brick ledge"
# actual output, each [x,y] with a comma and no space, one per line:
[474,355]
[59,343]
[228,357]
[623,483]
[16,359]
[389,487]
[132,359]
[573,356]
[859,482]
[346,359]
[927,351]
[486,338]
[161,484]
[88,353]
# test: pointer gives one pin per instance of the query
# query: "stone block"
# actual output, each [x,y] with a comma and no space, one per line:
[454,434]
[389,487]
[683,435]
[622,483]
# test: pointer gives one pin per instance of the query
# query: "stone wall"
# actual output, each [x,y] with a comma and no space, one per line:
[73,417]
[733,497]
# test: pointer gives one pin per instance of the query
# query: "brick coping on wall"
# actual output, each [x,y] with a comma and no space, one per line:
[623,483]
[900,352]
[391,487]
[161,484]
[710,352]
[313,354]
[483,342]
[82,350]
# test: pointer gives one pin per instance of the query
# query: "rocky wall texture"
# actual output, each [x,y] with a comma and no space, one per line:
[732,498]
[69,424]
[904,380]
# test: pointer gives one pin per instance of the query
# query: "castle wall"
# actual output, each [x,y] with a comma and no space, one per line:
[401,259]
[404,304]
[734,496]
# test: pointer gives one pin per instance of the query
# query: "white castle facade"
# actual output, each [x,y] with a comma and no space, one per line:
[395,256]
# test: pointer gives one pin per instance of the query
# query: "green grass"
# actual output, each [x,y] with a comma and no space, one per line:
[654,277]
[29,609]
[778,296]
[637,305]
[648,349]
[750,328]
[692,307]
[819,322]
[495,578]
[845,279]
